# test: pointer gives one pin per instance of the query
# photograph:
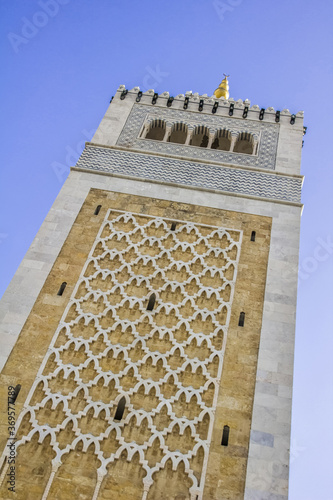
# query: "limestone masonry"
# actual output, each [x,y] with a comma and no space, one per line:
[151,323]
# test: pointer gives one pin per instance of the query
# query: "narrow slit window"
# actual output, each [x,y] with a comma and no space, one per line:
[151,302]
[120,409]
[16,391]
[62,288]
[173,226]
[253,236]
[97,209]
[241,319]
[225,435]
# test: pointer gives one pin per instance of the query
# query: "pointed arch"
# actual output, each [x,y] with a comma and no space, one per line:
[151,302]
[156,130]
[200,136]
[222,140]
[244,143]
[120,409]
[179,132]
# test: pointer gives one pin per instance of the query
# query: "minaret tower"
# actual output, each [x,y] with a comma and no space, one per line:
[150,327]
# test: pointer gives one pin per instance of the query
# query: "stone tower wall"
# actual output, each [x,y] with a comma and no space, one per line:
[254,373]
[169,363]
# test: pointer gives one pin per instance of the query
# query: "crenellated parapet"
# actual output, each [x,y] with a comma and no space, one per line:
[204,104]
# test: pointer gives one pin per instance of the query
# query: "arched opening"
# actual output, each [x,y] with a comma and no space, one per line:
[120,409]
[97,209]
[173,226]
[244,143]
[222,140]
[225,435]
[200,137]
[62,288]
[253,236]
[241,319]
[157,130]
[151,302]
[178,133]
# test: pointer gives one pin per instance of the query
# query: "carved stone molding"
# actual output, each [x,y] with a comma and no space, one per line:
[266,133]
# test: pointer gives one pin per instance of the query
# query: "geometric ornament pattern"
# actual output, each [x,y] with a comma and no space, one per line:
[191,173]
[166,362]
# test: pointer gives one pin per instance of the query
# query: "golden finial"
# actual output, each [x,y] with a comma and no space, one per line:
[223,89]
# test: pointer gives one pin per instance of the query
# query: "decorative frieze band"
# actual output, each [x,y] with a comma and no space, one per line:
[191,173]
[142,114]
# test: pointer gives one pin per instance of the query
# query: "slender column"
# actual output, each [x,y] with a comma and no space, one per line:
[255,144]
[5,468]
[145,130]
[146,486]
[55,467]
[211,138]
[189,136]
[167,132]
[100,477]
[233,140]
[145,493]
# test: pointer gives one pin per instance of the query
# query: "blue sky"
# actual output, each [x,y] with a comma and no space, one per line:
[59,71]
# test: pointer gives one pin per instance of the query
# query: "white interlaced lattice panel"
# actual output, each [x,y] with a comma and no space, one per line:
[167,362]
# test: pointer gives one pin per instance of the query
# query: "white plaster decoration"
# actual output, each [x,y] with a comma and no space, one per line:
[120,257]
[277,335]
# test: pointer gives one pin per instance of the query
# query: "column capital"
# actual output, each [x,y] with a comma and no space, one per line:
[234,136]
[211,136]
[167,132]
[189,134]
